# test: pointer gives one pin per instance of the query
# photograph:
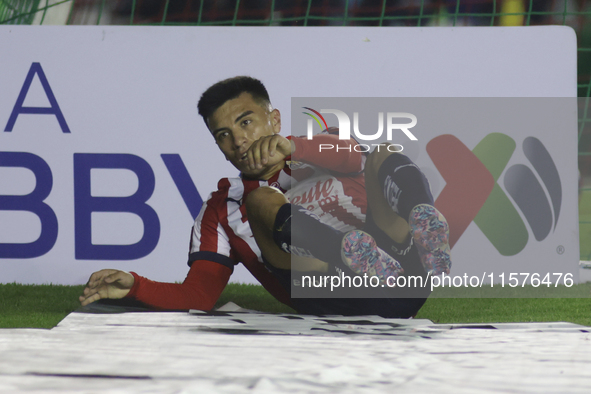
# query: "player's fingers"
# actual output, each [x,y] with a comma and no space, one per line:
[254,155]
[87,290]
[91,287]
[259,153]
[88,300]
[93,282]
[97,277]
[273,142]
[264,150]
[93,278]
[90,290]
[249,157]
[114,277]
[89,295]
[85,300]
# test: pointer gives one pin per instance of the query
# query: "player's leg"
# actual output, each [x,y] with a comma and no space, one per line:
[299,232]
[262,206]
[401,205]
[270,216]
[311,244]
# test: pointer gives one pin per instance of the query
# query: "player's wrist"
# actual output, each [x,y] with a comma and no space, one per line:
[133,290]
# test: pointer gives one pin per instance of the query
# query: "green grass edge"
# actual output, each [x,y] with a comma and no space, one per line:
[44,306]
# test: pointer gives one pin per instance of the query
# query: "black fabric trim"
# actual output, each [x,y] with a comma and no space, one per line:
[212,256]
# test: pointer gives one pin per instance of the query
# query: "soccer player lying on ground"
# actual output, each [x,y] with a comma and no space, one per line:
[400,216]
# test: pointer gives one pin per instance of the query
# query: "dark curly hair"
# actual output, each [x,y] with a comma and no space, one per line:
[216,95]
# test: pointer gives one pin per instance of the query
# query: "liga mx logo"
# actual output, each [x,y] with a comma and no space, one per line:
[472,191]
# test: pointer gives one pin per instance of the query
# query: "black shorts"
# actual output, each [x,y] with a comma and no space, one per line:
[404,306]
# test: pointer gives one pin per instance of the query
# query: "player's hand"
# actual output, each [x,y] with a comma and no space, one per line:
[106,283]
[268,151]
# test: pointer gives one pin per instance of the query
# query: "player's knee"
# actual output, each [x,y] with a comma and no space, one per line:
[379,155]
[263,200]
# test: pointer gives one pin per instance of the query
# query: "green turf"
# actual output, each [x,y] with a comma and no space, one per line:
[491,310]
[36,306]
[44,306]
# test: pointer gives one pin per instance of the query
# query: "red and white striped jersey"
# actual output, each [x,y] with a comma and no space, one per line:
[331,185]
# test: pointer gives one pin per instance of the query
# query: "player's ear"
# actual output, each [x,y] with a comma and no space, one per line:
[276,121]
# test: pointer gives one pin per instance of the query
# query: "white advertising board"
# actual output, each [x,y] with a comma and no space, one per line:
[121,130]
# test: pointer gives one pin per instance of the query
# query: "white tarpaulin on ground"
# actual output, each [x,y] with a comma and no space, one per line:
[263,353]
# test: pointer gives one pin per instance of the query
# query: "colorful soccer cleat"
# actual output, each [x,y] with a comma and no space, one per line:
[430,232]
[363,256]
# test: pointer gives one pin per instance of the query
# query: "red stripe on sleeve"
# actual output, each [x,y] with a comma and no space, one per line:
[209,227]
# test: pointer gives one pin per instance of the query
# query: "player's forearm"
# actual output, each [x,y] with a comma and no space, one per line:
[328,151]
[200,290]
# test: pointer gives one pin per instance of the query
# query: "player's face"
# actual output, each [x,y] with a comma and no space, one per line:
[237,124]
